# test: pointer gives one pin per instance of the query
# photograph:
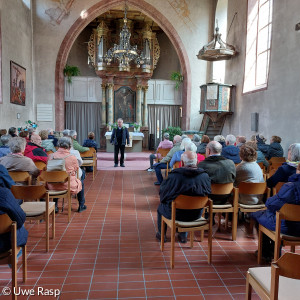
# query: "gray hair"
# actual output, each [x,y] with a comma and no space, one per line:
[230,139]
[50,130]
[30,130]
[66,132]
[64,142]
[219,138]
[191,147]
[177,139]
[184,136]
[73,133]
[214,147]
[295,151]
[184,142]
[196,138]
[5,139]
[189,158]
[120,119]
[17,144]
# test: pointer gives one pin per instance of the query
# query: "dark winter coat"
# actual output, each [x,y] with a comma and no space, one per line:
[125,136]
[54,139]
[90,143]
[5,180]
[275,150]
[264,148]
[232,152]
[202,148]
[282,174]
[289,193]
[9,205]
[183,181]
[35,152]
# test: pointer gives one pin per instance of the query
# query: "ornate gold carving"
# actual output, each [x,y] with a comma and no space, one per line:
[110,85]
[145,88]
[103,85]
[147,32]
[139,87]
[91,48]
[102,30]
[156,52]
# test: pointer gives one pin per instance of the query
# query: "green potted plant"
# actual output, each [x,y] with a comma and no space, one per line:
[178,78]
[172,131]
[70,71]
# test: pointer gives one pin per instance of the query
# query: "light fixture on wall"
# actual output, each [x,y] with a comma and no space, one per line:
[217,49]
[18,115]
[124,52]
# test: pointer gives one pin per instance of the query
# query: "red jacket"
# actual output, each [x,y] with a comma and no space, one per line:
[36,153]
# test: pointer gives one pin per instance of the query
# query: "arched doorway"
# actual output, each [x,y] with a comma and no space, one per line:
[91,14]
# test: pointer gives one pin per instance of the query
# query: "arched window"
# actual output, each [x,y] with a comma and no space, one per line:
[258,47]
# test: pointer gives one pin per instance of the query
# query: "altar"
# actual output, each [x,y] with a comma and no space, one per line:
[136,142]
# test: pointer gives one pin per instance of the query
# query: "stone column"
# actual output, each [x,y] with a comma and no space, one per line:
[139,104]
[103,106]
[145,108]
[110,87]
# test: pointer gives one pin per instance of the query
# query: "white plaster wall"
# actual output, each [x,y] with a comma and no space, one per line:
[193,31]
[16,46]
[279,105]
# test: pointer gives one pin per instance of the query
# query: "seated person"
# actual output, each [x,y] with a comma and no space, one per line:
[52,137]
[71,164]
[47,143]
[231,151]
[204,141]
[289,193]
[24,134]
[260,157]
[177,155]
[275,149]
[15,161]
[2,132]
[10,206]
[261,144]
[220,139]
[4,149]
[66,133]
[12,131]
[240,141]
[249,171]
[188,180]
[196,140]
[5,180]
[163,163]
[76,145]
[218,168]
[34,150]
[165,144]
[90,142]
[288,168]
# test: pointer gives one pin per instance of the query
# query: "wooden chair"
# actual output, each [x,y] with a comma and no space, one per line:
[20,177]
[280,281]
[40,165]
[277,160]
[49,152]
[275,166]
[58,178]
[271,173]
[36,210]
[89,159]
[226,189]
[262,166]
[277,187]
[10,256]
[162,152]
[289,212]
[176,165]
[188,202]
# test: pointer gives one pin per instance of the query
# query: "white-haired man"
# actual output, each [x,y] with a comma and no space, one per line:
[76,145]
[187,180]
[231,151]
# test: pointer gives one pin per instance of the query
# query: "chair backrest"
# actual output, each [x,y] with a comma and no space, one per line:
[29,192]
[277,160]
[288,265]
[276,165]
[176,165]
[5,223]
[40,165]
[253,188]
[190,202]
[221,188]
[271,172]
[89,153]
[277,187]
[54,176]
[163,152]
[261,165]
[20,176]
[49,152]
[290,212]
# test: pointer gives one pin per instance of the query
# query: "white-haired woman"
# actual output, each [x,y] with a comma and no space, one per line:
[288,168]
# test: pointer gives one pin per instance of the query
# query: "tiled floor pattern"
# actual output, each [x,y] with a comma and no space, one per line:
[110,252]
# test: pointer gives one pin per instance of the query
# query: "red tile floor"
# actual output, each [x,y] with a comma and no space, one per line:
[110,251]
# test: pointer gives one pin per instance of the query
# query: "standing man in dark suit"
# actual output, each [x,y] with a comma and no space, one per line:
[118,138]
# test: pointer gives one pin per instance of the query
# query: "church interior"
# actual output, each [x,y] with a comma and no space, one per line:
[192,72]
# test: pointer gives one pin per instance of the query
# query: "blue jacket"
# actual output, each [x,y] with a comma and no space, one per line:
[125,136]
[5,180]
[4,150]
[202,148]
[9,205]
[261,158]
[289,193]
[282,175]
[275,150]
[90,143]
[232,152]
[176,157]
[264,148]
[55,140]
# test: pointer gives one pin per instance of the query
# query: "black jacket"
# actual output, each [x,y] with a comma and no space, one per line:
[264,148]
[282,174]
[219,169]
[232,152]
[275,150]
[201,148]
[125,136]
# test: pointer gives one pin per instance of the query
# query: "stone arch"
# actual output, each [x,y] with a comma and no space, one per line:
[97,10]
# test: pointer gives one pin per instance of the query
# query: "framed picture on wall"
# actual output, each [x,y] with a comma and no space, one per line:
[17,84]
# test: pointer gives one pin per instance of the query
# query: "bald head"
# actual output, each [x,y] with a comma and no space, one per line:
[213,148]
[189,159]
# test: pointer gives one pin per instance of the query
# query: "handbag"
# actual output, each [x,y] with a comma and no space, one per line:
[57,164]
